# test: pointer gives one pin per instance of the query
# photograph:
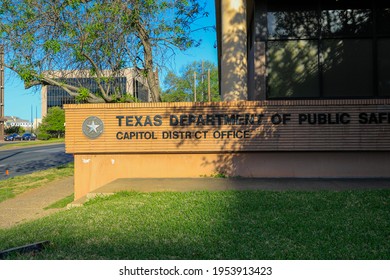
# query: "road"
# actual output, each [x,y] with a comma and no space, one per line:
[30,159]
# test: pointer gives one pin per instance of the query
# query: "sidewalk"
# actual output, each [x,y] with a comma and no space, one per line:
[29,205]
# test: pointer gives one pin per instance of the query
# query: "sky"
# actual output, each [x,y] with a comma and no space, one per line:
[26,104]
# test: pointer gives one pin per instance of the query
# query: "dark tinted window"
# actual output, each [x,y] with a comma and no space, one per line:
[292,69]
[328,49]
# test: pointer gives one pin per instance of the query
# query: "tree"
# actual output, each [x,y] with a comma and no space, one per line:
[100,36]
[181,88]
[54,122]
[14,129]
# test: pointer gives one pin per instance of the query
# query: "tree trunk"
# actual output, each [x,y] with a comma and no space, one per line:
[148,63]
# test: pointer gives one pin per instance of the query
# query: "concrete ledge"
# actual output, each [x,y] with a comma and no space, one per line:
[80,202]
[95,171]
[77,203]
[221,184]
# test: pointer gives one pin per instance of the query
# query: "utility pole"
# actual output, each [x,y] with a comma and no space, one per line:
[194,86]
[208,84]
[2,120]
[32,120]
[202,81]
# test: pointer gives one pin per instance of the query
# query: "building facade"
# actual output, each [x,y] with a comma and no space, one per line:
[325,66]
[12,121]
[129,82]
[305,89]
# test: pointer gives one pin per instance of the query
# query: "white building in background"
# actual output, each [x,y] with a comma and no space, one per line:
[37,123]
[16,121]
[129,81]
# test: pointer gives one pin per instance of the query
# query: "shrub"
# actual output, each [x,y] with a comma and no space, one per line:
[12,129]
[43,136]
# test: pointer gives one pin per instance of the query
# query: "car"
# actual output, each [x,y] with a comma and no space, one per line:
[29,136]
[13,137]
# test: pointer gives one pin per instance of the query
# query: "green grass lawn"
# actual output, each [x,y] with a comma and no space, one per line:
[18,144]
[215,225]
[11,187]
[62,203]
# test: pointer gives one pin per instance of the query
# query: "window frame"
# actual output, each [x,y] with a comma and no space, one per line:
[318,40]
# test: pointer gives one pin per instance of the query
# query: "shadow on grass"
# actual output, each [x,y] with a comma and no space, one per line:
[216,225]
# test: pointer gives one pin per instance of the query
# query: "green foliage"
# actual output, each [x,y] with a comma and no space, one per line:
[219,225]
[124,98]
[62,203]
[101,35]
[53,123]
[13,129]
[16,185]
[175,96]
[218,175]
[26,73]
[83,95]
[43,136]
[128,98]
[52,45]
[215,175]
[181,87]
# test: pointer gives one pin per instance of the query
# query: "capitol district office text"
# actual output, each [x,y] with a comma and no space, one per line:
[305,88]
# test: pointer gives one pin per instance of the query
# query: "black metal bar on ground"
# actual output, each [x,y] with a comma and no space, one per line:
[38,246]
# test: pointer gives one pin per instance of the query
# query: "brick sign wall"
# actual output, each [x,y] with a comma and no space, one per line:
[328,125]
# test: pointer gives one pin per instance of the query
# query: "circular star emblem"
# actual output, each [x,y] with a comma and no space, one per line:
[93,127]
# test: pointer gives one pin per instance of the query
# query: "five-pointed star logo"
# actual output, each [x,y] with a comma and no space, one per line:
[93,127]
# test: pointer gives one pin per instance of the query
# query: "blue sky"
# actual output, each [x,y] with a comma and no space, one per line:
[21,102]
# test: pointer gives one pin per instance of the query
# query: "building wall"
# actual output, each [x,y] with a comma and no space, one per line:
[352,58]
[44,101]
[54,96]
[291,137]
[93,171]
[233,50]
[195,139]
[327,125]
[292,60]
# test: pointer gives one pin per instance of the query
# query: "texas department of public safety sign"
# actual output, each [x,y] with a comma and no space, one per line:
[215,127]
[93,127]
